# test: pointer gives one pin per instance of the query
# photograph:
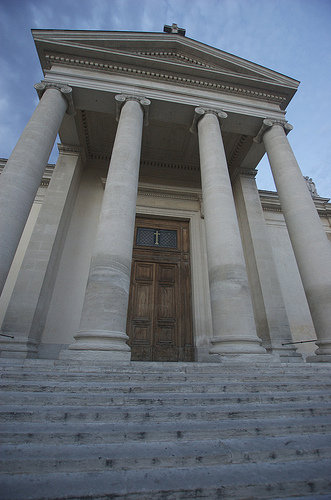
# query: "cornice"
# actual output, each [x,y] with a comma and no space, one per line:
[171,192]
[201,82]
[243,172]
[69,149]
[44,183]
[145,189]
[270,202]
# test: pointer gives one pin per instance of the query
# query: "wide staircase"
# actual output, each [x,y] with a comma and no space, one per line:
[165,431]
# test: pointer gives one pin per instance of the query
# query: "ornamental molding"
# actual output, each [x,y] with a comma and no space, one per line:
[270,203]
[164,192]
[127,70]
[158,191]
[237,150]
[176,56]
[68,149]
[88,139]
[176,166]
[163,92]
[145,189]
[243,172]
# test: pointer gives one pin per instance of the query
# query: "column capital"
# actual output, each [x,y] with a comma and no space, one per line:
[121,99]
[65,90]
[267,123]
[200,111]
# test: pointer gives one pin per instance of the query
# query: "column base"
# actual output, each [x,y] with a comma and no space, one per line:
[89,355]
[99,346]
[248,358]
[319,358]
[18,347]
[286,354]
[322,353]
[229,346]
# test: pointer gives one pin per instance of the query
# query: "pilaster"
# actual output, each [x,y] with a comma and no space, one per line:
[27,309]
[269,308]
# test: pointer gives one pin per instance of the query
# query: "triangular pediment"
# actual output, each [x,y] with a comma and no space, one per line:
[166,54]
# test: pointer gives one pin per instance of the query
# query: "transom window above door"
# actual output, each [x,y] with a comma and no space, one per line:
[156,237]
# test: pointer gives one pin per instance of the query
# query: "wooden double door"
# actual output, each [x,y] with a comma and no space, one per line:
[159,313]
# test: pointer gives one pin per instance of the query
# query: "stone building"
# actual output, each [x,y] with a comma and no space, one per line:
[151,241]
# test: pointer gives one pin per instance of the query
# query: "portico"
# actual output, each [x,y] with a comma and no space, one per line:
[168,134]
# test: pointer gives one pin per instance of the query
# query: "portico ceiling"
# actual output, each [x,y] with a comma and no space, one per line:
[165,141]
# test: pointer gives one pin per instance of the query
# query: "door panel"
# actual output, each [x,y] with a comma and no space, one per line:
[143,300]
[144,271]
[159,314]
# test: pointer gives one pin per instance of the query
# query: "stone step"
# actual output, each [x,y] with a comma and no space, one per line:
[31,459]
[154,399]
[87,386]
[56,366]
[44,405]
[164,431]
[148,430]
[159,409]
[76,366]
[235,481]
[7,377]
[325,496]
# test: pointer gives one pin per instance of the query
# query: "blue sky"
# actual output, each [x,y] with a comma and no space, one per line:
[292,37]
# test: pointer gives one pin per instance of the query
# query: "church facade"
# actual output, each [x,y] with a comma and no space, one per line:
[149,239]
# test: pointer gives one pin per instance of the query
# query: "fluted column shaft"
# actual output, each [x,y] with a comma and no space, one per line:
[102,333]
[311,247]
[23,172]
[234,330]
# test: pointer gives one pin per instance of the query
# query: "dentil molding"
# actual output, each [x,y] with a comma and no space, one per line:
[233,89]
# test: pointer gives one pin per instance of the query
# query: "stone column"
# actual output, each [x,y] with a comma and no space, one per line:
[234,331]
[311,247]
[102,334]
[23,172]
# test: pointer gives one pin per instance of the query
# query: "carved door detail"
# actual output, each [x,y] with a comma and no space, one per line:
[159,315]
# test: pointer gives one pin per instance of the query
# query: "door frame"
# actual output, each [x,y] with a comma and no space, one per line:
[173,202]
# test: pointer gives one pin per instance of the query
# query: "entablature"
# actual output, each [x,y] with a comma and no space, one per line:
[84,80]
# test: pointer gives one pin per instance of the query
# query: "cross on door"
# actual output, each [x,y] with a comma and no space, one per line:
[157,234]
